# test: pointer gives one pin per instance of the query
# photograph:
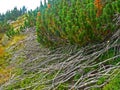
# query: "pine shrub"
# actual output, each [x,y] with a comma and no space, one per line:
[82,22]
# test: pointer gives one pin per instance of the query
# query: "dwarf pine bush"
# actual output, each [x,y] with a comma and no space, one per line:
[81,22]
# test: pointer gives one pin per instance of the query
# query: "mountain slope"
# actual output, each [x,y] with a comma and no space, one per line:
[68,67]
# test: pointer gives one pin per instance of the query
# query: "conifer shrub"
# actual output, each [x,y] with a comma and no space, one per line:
[82,22]
[30,22]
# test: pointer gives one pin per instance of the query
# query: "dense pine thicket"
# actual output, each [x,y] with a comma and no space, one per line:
[76,22]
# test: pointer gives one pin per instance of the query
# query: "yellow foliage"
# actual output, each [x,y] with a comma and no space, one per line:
[19,22]
[5,74]
[16,39]
[1,51]
[5,71]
